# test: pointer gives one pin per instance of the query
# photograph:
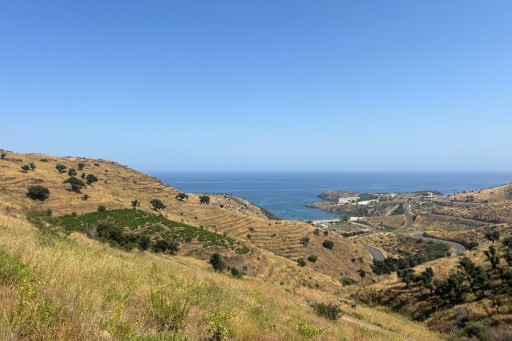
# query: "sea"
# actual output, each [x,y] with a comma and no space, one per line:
[286,193]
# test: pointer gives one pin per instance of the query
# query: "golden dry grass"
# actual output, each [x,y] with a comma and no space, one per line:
[91,291]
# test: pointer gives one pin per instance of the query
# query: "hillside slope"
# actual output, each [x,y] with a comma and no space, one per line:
[75,288]
[118,186]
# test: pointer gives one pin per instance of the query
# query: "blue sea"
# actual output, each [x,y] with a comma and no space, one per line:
[286,193]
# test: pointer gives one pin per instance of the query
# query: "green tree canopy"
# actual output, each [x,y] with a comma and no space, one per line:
[38,192]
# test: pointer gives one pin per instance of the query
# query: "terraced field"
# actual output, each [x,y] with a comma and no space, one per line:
[119,185]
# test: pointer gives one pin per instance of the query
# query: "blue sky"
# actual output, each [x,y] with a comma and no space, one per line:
[260,85]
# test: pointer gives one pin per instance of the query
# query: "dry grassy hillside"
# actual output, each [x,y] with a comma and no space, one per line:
[492,204]
[118,185]
[75,288]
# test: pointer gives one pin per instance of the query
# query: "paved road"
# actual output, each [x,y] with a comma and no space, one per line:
[374,253]
[408,215]
[458,248]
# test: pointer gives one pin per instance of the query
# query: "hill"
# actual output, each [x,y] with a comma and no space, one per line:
[118,186]
[76,271]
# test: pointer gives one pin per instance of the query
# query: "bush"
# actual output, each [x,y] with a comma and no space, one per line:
[90,178]
[32,166]
[72,172]
[76,184]
[157,204]
[330,311]
[2,156]
[312,258]
[316,231]
[217,262]
[235,273]
[304,241]
[307,329]
[242,251]
[81,166]
[328,244]
[85,197]
[182,196]
[38,192]
[101,208]
[165,246]
[204,199]
[144,242]
[301,262]
[61,168]
[25,168]
[346,281]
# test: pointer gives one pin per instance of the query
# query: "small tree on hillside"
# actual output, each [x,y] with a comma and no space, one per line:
[25,168]
[157,204]
[328,244]
[361,273]
[32,166]
[76,184]
[204,199]
[492,256]
[144,242]
[38,192]
[3,155]
[61,168]
[217,262]
[91,178]
[71,172]
[492,236]
[135,203]
[81,166]
[182,196]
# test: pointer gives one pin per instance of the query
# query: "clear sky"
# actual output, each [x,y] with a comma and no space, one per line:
[260,85]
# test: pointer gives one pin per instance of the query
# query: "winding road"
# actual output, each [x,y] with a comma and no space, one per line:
[458,248]
[375,253]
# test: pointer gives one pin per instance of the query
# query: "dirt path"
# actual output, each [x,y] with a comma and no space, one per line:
[372,327]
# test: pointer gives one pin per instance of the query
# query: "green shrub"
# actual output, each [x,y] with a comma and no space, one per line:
[25,168]
[157,204]
[218,330]
[90,178]
[76,184]
[85,197]
[61,168]
[346,281]
[32,166]
[217,262]
[307,329]
[3,155]
[304,241]
[144,242]
[242,251]
[101,208]
[330,311]
[204,199]
[72,172]
[301,262]
[312,258]
[235,273]
[328,244]
[38,192]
